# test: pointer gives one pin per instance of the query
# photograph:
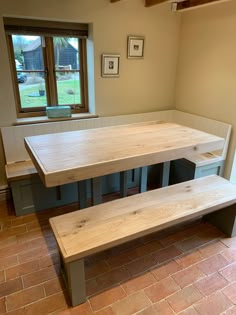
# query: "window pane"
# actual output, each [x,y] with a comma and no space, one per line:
[28,52]
[66,53]
[30,72]
[68,88]
[33,94]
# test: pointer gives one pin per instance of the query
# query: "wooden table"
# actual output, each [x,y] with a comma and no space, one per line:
[67,157]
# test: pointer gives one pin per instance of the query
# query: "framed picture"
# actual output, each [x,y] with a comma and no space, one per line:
[110,66]
[135,47]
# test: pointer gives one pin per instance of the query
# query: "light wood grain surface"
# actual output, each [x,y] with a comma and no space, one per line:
[85,232]
[72,156]
[20,170]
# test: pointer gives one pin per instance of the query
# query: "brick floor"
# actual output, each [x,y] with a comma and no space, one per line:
[186,270]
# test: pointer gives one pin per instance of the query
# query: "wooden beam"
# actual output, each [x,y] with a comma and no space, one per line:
[194,3]
[150,3]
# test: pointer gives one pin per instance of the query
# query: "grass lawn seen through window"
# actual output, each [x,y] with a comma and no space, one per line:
[68,94]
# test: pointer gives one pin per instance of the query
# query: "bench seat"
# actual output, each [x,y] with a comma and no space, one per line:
[85,232]
[20,170]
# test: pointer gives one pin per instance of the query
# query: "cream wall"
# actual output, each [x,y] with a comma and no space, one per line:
[144,85]
[206,76]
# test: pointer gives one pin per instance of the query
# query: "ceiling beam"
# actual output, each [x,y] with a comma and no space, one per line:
[150,3]
[194,3]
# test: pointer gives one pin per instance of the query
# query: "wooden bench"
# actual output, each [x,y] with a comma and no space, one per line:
[85,232]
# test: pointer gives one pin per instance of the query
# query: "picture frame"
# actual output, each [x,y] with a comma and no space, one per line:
[136,47]
[110,65]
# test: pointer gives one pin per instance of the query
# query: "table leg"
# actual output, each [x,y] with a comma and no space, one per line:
[165,174]
[96,190]
[123,184]
[82,194]
[143,179]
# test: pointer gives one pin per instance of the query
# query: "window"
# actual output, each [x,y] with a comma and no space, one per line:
[48,65]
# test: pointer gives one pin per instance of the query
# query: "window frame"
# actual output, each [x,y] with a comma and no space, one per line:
[49,66]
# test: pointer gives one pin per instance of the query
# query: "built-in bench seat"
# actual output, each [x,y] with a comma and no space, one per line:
[22,175]
[89,231]
[20,170]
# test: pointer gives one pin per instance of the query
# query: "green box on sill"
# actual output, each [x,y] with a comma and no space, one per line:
[58,111]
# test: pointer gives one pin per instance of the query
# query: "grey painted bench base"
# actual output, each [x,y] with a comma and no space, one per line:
[224,220]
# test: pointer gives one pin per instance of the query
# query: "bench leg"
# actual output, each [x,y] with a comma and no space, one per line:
[96,190]
[165,174]
[76,281]
[123,184]
[143,179]
[82,192]
[224,219]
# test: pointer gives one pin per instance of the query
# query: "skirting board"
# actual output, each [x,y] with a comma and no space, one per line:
[4,193]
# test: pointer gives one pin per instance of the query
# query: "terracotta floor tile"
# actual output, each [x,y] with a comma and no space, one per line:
[213,264]
[161,289]
[39,276]
[82,309]
[47,305]
[229,242]
[148,248]
[165,269]
[212,249]
[106,298]
[12,240]
[10,287]
[141,265]
[122,259]
[229,272]
[24,297]
[188,276]
[189,311]
[184,298]
[210,233]
[211,284]
[190,243]
[54,286]
[13,231]
[215,304]
[33,254]
[174,238]
[138,283]
[49,260]
[2,306]
[166,254]
[230,292]
[105,311]
[19,311]
[189,258]
[22,269]
[7,262]
[2,276]
[160,308]
[96,269]
[229,254]
[106,280]
[131,304]
[231,311]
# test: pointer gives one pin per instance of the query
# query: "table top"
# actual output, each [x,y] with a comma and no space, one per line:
[67,157]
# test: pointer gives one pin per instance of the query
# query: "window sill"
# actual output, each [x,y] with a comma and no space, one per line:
[45,119]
